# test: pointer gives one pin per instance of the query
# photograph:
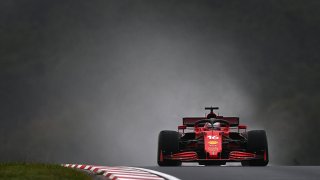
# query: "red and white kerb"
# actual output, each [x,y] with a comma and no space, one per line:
[117,172]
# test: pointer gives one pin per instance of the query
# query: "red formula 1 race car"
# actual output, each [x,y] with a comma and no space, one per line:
[212,140]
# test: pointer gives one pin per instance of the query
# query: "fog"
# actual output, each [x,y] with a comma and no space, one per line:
[96,81]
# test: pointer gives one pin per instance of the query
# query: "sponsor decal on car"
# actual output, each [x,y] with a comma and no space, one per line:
[213,137]
[213,142]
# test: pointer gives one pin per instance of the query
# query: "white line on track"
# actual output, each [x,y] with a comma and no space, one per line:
[136,177]
[161,174]
[123,171]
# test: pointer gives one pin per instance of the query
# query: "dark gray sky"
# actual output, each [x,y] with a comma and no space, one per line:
[95,81]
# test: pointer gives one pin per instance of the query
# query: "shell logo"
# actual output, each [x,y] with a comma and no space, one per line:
[213,142]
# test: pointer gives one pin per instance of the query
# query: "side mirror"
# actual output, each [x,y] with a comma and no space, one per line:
[183,127]
[242,127]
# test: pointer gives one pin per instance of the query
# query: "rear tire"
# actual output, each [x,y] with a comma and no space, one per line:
[168,143]
[258,144]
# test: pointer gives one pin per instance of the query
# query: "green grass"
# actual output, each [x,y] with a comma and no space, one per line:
[15,171]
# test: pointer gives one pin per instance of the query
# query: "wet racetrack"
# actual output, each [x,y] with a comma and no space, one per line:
[242,173]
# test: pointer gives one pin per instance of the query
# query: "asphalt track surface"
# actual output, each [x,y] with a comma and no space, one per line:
[242,173]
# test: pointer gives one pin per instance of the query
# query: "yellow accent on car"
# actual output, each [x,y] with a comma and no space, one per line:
[213,142]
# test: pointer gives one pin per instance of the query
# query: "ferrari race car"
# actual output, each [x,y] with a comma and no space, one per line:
[212,140]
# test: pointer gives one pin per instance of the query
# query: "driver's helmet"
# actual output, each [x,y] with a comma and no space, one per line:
[216,125]
[209,125]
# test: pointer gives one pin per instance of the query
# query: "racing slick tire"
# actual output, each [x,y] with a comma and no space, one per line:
[258,144]
[168,143]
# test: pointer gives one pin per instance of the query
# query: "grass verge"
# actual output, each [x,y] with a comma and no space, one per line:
[17,171]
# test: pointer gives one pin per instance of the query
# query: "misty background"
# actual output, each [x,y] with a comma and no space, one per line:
[95,81]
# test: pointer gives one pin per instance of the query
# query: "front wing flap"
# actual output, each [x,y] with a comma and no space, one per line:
[191,156]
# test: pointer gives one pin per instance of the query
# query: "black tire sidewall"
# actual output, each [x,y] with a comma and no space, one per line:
[257,143]
[168,143]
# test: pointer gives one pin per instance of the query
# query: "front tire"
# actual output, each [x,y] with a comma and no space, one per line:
[168,143]
[258,144]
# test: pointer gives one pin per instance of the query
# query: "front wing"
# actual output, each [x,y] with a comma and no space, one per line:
[191,156]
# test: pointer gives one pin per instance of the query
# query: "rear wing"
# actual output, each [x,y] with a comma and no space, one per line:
[189,121]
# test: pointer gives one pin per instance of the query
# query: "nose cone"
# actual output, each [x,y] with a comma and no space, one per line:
[213,143]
